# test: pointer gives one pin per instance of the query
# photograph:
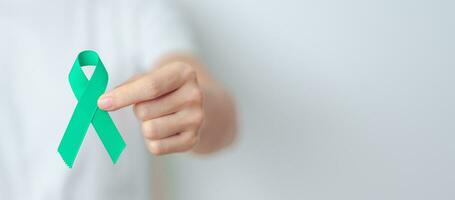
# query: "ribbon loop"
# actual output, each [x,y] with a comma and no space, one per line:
[86,112]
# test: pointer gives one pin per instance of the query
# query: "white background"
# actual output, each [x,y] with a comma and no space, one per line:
[347,99]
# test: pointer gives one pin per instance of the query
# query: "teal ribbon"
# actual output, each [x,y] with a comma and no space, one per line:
[87,93]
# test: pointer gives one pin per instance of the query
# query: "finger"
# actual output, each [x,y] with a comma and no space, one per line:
[178,143]
[169,125]
[188,94]
[147,87]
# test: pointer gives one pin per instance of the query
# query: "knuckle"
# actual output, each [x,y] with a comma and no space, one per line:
[198,117]
[192,140]
[156,148]
[187,71]
[149,130]
[195,96]
[141,112]
[152,87]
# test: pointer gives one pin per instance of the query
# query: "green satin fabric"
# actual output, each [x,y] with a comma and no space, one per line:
[87,93]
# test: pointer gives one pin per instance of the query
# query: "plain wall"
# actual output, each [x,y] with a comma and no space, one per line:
[337,99]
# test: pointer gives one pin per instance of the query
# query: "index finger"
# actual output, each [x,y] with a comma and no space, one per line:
[147,87]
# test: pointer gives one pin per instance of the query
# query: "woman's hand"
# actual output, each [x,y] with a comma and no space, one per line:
[168,102]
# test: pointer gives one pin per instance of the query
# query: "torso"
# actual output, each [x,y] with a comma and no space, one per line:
[38,47]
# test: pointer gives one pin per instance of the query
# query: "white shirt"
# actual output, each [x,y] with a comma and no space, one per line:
[39,41]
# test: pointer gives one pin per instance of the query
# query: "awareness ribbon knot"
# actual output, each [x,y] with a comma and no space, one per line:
[87,93]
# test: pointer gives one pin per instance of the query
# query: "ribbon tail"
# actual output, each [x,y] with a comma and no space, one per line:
[108,134]
[74,135]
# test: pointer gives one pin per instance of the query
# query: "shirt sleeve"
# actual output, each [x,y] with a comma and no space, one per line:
[162,31]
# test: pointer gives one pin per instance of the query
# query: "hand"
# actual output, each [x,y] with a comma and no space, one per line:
[168,102]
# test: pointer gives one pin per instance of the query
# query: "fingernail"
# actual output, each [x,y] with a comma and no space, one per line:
[105,103]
